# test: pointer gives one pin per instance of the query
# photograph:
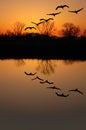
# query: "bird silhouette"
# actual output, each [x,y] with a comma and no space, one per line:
[76,90]
[62,95]
[38,78]
[54,14]
[30,73]
[30,28]
[46,81]
[53,88]
[62,6]
[46,20]
[76,11]
[37,24]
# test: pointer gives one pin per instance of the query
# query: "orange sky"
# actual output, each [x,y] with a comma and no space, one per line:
[27,11]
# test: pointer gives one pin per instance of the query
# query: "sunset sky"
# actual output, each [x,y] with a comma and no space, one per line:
[26,11]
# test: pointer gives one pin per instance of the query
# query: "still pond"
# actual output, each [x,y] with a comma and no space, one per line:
[26,103]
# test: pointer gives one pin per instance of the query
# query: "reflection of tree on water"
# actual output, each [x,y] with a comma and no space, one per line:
[20,62]
[46,66]
[68,62]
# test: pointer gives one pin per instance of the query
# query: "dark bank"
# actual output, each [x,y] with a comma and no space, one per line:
[36,46]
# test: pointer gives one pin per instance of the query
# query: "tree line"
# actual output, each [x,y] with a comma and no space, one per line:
[68,30]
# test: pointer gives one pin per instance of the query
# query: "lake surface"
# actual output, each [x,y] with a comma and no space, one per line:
[27,104]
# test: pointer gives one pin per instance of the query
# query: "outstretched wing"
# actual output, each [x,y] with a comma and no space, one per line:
[66,6]
[71,11]
[50,19]
[80,9]
[42,19]
[58,7]
[76,90]
[58,13]
[39,23]
[51,14]
[26,28]
[34,23]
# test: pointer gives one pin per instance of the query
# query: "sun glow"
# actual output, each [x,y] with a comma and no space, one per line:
[27,11]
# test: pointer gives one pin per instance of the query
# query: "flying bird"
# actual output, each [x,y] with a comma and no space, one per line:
[37,24]
[76,90]
[62,6]
[38,78]
[30,73]
[54,88]
[76,11]
[54,14]
[46,81]
[46,20]
[30,28]
[62,95]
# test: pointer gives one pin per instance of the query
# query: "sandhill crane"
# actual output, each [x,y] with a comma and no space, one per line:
[62,95]
[30,73]
[38,78]
[62,6]
[54,14]
[76,11]
[54,88]
[30,28]
[37,24]
[46,20]
[76,90]
[46,81]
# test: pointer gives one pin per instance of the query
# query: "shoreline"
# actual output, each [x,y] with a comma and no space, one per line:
[43,48]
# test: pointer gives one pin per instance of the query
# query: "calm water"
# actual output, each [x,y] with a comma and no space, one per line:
[26,104]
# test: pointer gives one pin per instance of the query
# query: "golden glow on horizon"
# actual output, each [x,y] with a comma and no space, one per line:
[27,11]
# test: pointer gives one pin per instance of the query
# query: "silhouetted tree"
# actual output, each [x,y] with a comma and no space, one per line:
[46,28]
[84,33]
[18,28]
[20,62]
[46,67]
[70,30]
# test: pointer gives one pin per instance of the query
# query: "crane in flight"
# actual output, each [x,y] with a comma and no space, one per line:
[46,81]
[62,95]
[30,28]
[76,11]
[37,77]
[62,6]
[54,88]
[30,73]
[76,90]
[37,24]
[54,14]
[46,20]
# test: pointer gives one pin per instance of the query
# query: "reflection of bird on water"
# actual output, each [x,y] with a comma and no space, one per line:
[37,24]
[76,90]
[46,20]
[76,11]
[62,95]
[54,88]
[62,6]
[30,28]
[30,73]
[46,81]
[38,78]
[54,14]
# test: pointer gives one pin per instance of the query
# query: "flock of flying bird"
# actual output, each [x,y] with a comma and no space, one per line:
[43,20]
[42,81]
